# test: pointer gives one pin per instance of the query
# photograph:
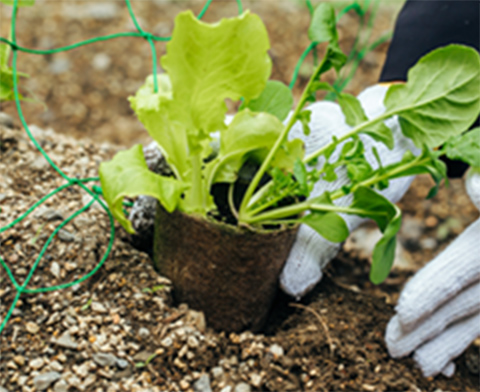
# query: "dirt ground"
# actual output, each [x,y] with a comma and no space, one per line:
[120,330]
[84,91]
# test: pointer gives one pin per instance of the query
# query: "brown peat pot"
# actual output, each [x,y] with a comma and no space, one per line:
[229,273]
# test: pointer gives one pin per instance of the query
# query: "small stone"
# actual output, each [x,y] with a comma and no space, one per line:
[12,365]
[143,333]
[218,372]
[228,388]
[184,384]
[2,389]
[197,319]
[65,236]
[59,65]
[62,357]
[428,243]
[6,120]
[74,381]
[256,380]
[32,327]
[19,360]
[43,381]
[122,363]
[102,10]
[142,356]
[192,342]
[82,370]
[55,366]
[276,350]
[60,386]
[431,221]
[66,341]
[39,164]
[202,384]
[242,387]
[167,342]
[103,359]
[101,61]
[55,269]
[36,363]
[98,307]
[89,380]
[50,215]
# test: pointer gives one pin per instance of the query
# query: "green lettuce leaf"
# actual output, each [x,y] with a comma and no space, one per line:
[276,99]
[388,217]
[154,110]
[208,63]
[354,115]
[328,224]
[127,175]
[323,25]
[249,133]
[465,147]
[441,98]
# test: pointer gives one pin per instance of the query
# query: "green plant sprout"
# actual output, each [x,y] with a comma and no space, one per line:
[206,64]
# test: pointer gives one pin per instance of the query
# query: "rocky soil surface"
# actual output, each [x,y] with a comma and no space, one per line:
[121,331]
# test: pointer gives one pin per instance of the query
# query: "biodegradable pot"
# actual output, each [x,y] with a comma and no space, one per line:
[230,274]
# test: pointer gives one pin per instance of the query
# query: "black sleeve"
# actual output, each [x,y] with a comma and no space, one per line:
[424,25]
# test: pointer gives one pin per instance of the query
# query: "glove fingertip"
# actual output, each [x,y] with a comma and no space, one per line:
[449,370]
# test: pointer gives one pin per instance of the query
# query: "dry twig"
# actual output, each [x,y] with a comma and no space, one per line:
[323,324]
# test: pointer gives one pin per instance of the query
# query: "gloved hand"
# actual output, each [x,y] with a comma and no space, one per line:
[311,252]
[438,312]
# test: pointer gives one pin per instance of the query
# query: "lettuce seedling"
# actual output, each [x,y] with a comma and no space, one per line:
[206,64]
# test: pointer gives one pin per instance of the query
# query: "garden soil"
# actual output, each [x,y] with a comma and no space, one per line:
[84,92]
[121,330]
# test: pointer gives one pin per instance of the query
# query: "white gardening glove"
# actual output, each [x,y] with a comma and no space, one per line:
[438,312]
[311,252]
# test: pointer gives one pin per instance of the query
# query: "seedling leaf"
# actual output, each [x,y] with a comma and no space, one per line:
[441,97]
[127,175]
[276,99]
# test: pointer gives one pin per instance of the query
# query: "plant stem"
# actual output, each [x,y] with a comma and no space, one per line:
[266,163]
[195,195]
[348,135]
[296,209]
[273,201]
[230,200]
[279,213]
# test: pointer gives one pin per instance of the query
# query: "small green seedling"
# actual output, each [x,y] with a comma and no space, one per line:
[206,64]
[154,289]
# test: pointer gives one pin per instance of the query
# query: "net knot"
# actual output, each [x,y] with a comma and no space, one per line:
[147,36]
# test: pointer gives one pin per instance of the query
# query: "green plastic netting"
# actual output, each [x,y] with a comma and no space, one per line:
[355,56]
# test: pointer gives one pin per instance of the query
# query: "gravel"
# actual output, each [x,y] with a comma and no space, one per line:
[66,341]
[60,386]
[43,381]
[242,387]
[202,384]
[90,334]
[105,359]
